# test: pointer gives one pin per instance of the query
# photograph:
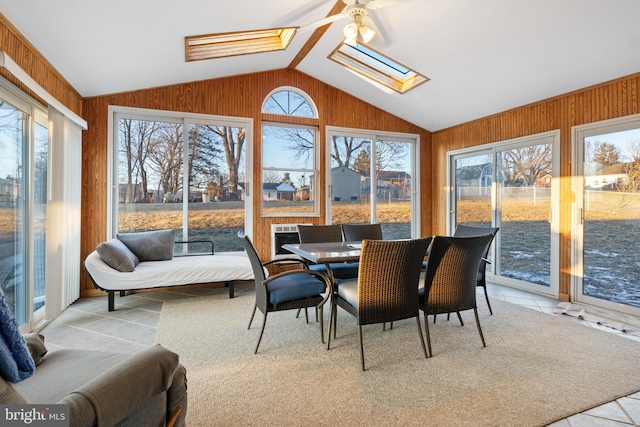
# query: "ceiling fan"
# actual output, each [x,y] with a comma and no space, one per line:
[362,23]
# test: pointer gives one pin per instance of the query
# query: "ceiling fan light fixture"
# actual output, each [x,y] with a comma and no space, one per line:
[351,31]
[366,33]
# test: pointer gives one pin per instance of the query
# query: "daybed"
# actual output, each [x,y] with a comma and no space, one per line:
[111,268]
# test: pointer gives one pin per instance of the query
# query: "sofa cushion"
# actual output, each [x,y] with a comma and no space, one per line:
[9,395]
[117,255]
[64,371]
[156,245]
[35,344]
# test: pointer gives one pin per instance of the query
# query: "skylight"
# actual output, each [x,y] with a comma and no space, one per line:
[241,43]
[374,66]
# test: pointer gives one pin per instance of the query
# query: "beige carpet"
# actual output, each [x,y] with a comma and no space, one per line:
[535,369]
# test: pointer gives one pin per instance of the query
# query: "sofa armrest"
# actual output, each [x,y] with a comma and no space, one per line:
[119,391]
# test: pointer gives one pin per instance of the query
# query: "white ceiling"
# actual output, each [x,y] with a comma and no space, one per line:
[482,57]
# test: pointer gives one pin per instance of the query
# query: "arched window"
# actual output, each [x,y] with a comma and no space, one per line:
[289,154]
[289,101]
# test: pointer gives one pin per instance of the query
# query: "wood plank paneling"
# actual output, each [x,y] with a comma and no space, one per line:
[30,60]
[239,96]
[604,101]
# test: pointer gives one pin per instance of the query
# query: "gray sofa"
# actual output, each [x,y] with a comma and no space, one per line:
[146,388]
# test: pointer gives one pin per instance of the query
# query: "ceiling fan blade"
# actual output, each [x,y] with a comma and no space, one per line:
[370,22]
[379,4]
[322,22]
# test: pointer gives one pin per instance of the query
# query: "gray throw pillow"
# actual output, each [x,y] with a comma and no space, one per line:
[117,255]
[35,344]
[154,245]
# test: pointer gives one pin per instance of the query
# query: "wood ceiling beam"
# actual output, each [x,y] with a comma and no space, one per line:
[315,37]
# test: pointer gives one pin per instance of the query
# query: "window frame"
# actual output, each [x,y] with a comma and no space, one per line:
[297,91]
[314,171]
[291,121]
[375,136]
[36,114]
[116,113]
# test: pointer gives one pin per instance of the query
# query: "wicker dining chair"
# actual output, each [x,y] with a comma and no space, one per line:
[386,288]
[468,231]
[327,234]
[451,278]
[359,232]
[291,289]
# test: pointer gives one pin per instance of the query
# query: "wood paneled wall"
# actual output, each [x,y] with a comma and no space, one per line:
[30,60]
[239,96]
[604,101]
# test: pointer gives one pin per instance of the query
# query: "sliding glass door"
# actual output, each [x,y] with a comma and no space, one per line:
[607,217]
[182,171]
[511,185]
[372,179]
[23,206]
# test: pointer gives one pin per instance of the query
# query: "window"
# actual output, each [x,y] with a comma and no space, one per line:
[289,103]
[240,43]
[187,172]
[364,190]
[375,67]
[607,214]
[511,185]
[289,156]
[23,202]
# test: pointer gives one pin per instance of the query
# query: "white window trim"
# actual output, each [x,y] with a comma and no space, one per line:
[11,66]
[176,117]
[492,148]
[299,92]
[373,135]
[578,133]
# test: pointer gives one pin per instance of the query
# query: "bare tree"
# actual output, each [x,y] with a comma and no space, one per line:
[271,177]
[525,165]
[165,156]
[632,169]
[606,154]
[344,149]
[233,140]
[135,137]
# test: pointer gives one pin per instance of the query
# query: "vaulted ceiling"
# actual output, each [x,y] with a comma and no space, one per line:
[482,57]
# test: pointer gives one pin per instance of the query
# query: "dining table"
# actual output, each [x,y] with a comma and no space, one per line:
[326,252]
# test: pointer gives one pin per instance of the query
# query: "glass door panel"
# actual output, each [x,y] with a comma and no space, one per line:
[472,190]
[373,182]
[13,134]
[524,206]
[611,218]
[510,185]
[149,176]
[41,155]
[393,188]
[350,193]
[216,186]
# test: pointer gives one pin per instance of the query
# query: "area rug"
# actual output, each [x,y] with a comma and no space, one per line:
[536,368]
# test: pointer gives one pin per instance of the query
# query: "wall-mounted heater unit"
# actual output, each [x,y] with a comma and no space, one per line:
[281,234]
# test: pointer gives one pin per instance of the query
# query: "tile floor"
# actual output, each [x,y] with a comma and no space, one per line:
[87,324]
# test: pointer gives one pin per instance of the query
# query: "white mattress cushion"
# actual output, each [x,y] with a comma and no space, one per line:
[183,270]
